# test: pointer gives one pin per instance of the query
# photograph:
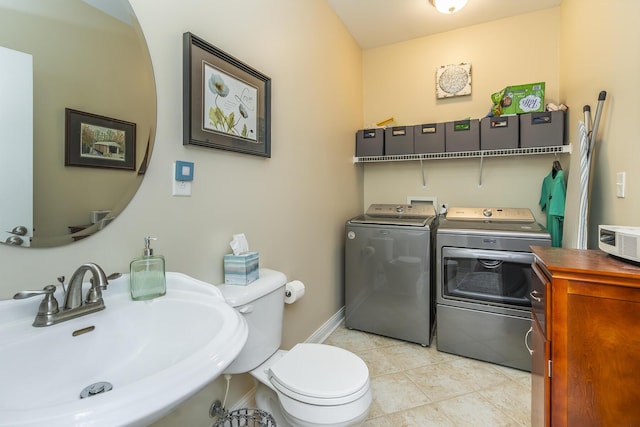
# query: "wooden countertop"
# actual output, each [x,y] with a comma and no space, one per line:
[587,262]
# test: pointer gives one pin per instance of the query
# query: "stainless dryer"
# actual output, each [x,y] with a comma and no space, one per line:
[389,282]
[483,264]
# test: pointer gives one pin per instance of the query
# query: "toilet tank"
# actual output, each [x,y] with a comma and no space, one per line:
[262,304]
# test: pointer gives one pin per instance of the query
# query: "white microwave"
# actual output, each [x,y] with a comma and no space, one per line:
[622,242]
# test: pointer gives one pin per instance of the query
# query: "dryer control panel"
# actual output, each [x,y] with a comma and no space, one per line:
[492,214]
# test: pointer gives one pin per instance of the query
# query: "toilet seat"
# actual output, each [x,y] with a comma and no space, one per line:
[320,374]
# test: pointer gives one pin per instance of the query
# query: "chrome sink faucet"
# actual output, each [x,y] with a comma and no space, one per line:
[73,296]
[49,312]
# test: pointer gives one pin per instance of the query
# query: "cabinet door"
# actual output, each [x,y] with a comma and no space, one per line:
[540,381]
[603,355]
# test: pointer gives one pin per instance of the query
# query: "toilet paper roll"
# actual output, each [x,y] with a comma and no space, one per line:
[293,291]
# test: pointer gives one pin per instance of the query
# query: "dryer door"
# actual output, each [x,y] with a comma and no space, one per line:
[499,277]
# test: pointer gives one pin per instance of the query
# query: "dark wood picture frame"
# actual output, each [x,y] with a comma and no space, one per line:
[226,103]
[99,142]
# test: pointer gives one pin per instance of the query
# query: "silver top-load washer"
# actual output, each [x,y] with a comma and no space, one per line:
[389,281]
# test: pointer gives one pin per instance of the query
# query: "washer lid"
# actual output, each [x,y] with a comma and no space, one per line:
[418,215]
[419,210]
[320,374]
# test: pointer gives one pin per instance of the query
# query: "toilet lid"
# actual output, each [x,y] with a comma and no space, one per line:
[320,374]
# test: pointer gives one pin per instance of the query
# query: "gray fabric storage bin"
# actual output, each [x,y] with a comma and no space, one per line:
[428,138]
[542,129]
[398,140]
[499,132]
[462,135]
[370,142]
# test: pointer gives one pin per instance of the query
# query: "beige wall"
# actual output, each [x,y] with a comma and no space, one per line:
[292,207]
[399,82]
[600,44]
[579,49]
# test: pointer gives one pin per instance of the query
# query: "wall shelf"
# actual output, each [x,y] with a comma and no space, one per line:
[467,154]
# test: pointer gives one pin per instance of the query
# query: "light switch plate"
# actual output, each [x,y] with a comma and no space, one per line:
[620,184]
[179,188]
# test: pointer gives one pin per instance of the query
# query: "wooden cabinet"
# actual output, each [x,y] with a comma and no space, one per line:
[585,339]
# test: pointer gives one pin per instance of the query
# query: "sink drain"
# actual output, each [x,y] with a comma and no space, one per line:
[95,388]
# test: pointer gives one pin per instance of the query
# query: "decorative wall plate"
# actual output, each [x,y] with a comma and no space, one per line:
[453,80]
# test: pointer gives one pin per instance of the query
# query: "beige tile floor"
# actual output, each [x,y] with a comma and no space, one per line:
[420,386]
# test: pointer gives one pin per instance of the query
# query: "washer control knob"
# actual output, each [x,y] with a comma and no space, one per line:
[487,212]
[399,209]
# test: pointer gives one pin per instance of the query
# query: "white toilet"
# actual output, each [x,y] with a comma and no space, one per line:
[309,385]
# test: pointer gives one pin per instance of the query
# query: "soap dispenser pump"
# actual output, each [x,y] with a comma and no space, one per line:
[147,278]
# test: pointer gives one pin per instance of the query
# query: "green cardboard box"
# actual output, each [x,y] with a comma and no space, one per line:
[527,98]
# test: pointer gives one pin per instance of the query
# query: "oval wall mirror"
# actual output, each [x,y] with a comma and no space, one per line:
[77,117]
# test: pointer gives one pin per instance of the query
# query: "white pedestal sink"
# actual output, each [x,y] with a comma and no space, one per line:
[155,353]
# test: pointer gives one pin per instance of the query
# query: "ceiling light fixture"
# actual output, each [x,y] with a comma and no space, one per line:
[448,6]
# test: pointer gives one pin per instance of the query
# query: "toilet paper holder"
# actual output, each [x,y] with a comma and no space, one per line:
[293,291]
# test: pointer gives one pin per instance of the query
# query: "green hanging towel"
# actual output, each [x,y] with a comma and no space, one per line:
[552,200]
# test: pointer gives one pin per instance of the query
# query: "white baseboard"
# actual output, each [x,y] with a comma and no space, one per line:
[327,328]
[247,401]
[321,334]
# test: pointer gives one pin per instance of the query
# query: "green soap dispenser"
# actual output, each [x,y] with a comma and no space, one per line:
[147,279]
